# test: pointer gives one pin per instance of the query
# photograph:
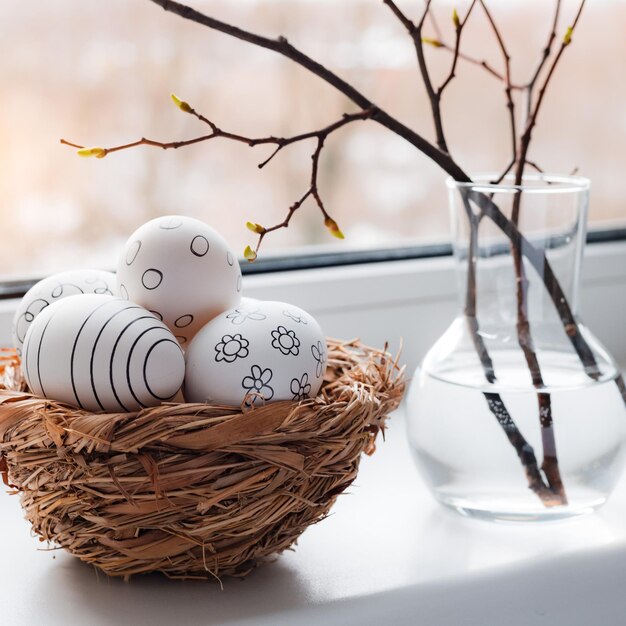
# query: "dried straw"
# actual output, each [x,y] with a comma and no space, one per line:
[192,490]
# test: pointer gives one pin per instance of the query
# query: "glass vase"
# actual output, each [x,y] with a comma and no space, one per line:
[518,412]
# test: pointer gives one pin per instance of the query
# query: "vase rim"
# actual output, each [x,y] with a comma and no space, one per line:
[531,183]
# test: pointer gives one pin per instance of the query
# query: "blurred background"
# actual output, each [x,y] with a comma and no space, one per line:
[100,73]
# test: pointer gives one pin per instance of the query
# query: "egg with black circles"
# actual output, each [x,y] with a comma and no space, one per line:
[55,288]
[180,269]
[256,353]
[102,353]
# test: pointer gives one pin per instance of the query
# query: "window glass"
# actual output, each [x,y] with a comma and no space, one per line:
[100,73]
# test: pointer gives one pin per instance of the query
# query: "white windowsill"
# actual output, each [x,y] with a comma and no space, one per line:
[388,554]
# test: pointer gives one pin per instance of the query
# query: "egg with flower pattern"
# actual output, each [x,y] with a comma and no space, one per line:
[255,353]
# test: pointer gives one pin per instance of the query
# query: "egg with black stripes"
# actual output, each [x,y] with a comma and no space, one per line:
[180,269]
[102,353]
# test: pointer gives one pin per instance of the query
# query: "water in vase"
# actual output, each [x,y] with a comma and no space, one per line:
[468,462]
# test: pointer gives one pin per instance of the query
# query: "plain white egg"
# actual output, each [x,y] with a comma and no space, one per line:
[102,353]
[54,288]
[259,352]
[180,269]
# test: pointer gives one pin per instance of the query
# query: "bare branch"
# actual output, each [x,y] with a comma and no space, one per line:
[544,58]
[435,24]
[439,43]
[550,463]
[280,143]
[535,166]
[283,47]
[510,105]
[415,32]
[532,120]
[434,94]
[459,24]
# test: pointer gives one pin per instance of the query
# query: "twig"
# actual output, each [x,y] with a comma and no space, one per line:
[535,166]
[544,58]
[434,93]
[510,105]
[311,191]
[280,143]
[439,43]
[415,31]
[532,119]
[459,25]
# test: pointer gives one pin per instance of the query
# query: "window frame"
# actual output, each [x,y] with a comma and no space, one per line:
[409,302]
[319,260]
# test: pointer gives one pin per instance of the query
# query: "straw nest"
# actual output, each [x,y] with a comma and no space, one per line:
[192,490]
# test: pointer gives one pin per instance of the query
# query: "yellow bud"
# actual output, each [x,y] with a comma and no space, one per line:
[255,228]
[99,153]
[181,104]
[249,254]
[455,19]
[335,231]
[567,39]
[432,42]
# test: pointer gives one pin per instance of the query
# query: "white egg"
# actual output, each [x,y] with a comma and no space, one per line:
[54,288]
[263,351]
[102,353]
[180,269]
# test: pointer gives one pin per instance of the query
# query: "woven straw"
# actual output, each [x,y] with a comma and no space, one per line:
[192,490]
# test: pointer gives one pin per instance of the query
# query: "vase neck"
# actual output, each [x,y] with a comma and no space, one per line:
[497,284]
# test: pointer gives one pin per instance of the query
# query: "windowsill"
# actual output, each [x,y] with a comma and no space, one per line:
[388,553]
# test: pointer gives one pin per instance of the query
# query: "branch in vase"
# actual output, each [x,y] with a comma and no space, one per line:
[532,119]
[510,105]
[536,257]
[494,401]
[556,490]
[524,451]
[541,265]
[525,340]
[554,494]
[550,463]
